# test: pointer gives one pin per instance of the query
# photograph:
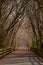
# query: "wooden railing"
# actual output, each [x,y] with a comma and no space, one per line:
[5,52]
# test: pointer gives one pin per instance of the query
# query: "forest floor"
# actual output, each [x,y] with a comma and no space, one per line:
[21,57]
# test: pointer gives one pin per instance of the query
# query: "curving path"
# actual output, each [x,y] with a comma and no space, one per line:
[22,57]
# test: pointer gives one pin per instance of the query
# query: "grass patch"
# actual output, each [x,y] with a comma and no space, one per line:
[37,49]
